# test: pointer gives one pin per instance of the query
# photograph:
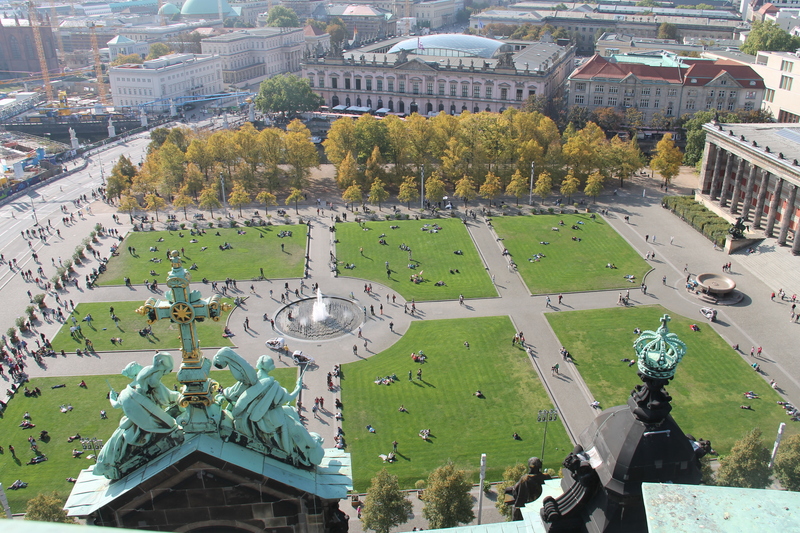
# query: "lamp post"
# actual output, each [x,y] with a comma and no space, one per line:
[422,189]
[102,173]
[480,490]
[546,415]
[222,180]
[35,218]
[530,196]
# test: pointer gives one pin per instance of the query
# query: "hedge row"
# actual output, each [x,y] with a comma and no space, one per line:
[712,226]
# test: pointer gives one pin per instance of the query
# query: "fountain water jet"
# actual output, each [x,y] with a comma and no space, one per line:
[320,310]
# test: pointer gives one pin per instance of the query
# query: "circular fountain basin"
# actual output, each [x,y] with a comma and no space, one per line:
[343,316]
[716,283]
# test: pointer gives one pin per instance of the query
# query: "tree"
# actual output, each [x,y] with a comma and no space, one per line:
[667,161]
[239,196]
[183,200]
[295,195]
[623,158]
[199,153]
[747,466]
[127,59]
[287,93]
[434,188]
[594,185]
[569,185]
[634,119]
[157,50]
[47,508]
[352,194]
[300,153]
[511,475]
[544,185]
[374,167]
[409,191]
[347,171]
[194,180]
[465,189]
[129,204]
[340,142]
[121,177]
[584,150]
[268,199]
[209,198]
[667,31]
[447,499]
[377,193]
[154,203]
[518,186]
[282,17]
[172,167]
[768,36]
[385,506]
[787,463]
[607,118]
[492,187]
[338,32]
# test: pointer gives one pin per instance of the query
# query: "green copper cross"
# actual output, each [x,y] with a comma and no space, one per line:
[185,307]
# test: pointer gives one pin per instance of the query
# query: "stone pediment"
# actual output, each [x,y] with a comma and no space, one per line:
[416,64]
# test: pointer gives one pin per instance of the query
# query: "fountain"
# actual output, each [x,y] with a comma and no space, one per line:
[319,318]
[320,310]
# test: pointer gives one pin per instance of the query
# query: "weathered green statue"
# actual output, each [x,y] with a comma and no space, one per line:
[145,402]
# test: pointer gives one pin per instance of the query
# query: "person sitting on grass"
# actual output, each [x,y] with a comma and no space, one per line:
[227,333]
[478,394]
[403,409]
[76,453]
[516,436]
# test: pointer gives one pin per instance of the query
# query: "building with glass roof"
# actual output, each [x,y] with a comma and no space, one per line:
[452,45]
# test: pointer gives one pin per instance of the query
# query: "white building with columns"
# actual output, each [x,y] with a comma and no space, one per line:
[169,76]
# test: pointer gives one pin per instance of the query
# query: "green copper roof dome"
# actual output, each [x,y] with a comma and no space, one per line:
[204,7]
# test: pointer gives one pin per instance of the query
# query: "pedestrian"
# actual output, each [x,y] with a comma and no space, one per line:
[664,280]
[672,240]
[247,323]
[361,250]
[752,351]
[772,297]
[355,350]
[359,332]
[391,327]
[419,374]
[646,238]
[686,269]
[381,308]
[758,351]
[547,304]
[554,369]
[560,297]
[394,446]
[493,280]
[410,374]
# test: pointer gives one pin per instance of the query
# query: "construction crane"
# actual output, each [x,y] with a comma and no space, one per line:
[408,9]
[56,27]
[98,68]
[36,27]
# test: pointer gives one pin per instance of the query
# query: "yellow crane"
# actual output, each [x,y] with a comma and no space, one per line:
[36,28]
[98,68]
[56,27]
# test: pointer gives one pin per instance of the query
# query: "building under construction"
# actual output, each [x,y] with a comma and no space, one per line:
[18,55]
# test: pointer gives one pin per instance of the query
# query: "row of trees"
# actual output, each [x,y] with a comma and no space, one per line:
[485,153]
[184,167]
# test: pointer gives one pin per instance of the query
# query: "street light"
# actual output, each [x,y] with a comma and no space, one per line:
[35,218]
[102,174]
[546,415]
[530,196]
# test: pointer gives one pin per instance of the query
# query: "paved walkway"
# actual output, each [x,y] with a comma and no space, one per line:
[755,322]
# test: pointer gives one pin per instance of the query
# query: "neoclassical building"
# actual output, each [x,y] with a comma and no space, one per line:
[753,171]
[448,72]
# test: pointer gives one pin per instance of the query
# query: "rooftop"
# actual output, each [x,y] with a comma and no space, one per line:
[452,45]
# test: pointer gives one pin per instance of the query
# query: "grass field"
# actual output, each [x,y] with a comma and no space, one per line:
[102,329]
[708,385]
[462,425]
[431,252]
[250,252]
[84,419]
[569,266]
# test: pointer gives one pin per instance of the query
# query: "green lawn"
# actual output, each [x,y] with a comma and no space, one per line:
[462,425]
[84,419]
[569,266]
[250,252]
[165,333]
[431,252]
[708,385]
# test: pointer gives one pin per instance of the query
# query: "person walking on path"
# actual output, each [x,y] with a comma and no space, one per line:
[355,350]
[554,369]
[560,298]
[391,327]
[752,351]
[547,304]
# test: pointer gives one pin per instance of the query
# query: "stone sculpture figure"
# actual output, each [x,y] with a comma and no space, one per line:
[145,402]
[258,406]
[528,489]
[738,230]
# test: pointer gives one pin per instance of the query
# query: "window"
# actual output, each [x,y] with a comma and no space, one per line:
[503,93]
[531,92]
[599,88]
[723,82]
[401,86]
[711,93]
[748,106]
[752,94]
[644,102]
[786,83]
[379,85]
[719,106]
[689,104]
[669,109]
[369,84]
[645,91]
[335,83]
[658,91]
[465,90]
[786,66]
[321,82]
[612,101]
[672,92]
[580,86]
[613,90]
[519,95]
[488,92]
[414,87]
[476,91]
[347,83]
[627,102]
[453,89]
[656,104]
[770,95]
[731,105]
[441,88]
[358,84]
[429,88]
[709,104]
[598,100]
[390,85]
[578,99]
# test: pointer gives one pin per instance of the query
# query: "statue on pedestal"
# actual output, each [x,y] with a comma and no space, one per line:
[528,489]
[73,139]
[738,229]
